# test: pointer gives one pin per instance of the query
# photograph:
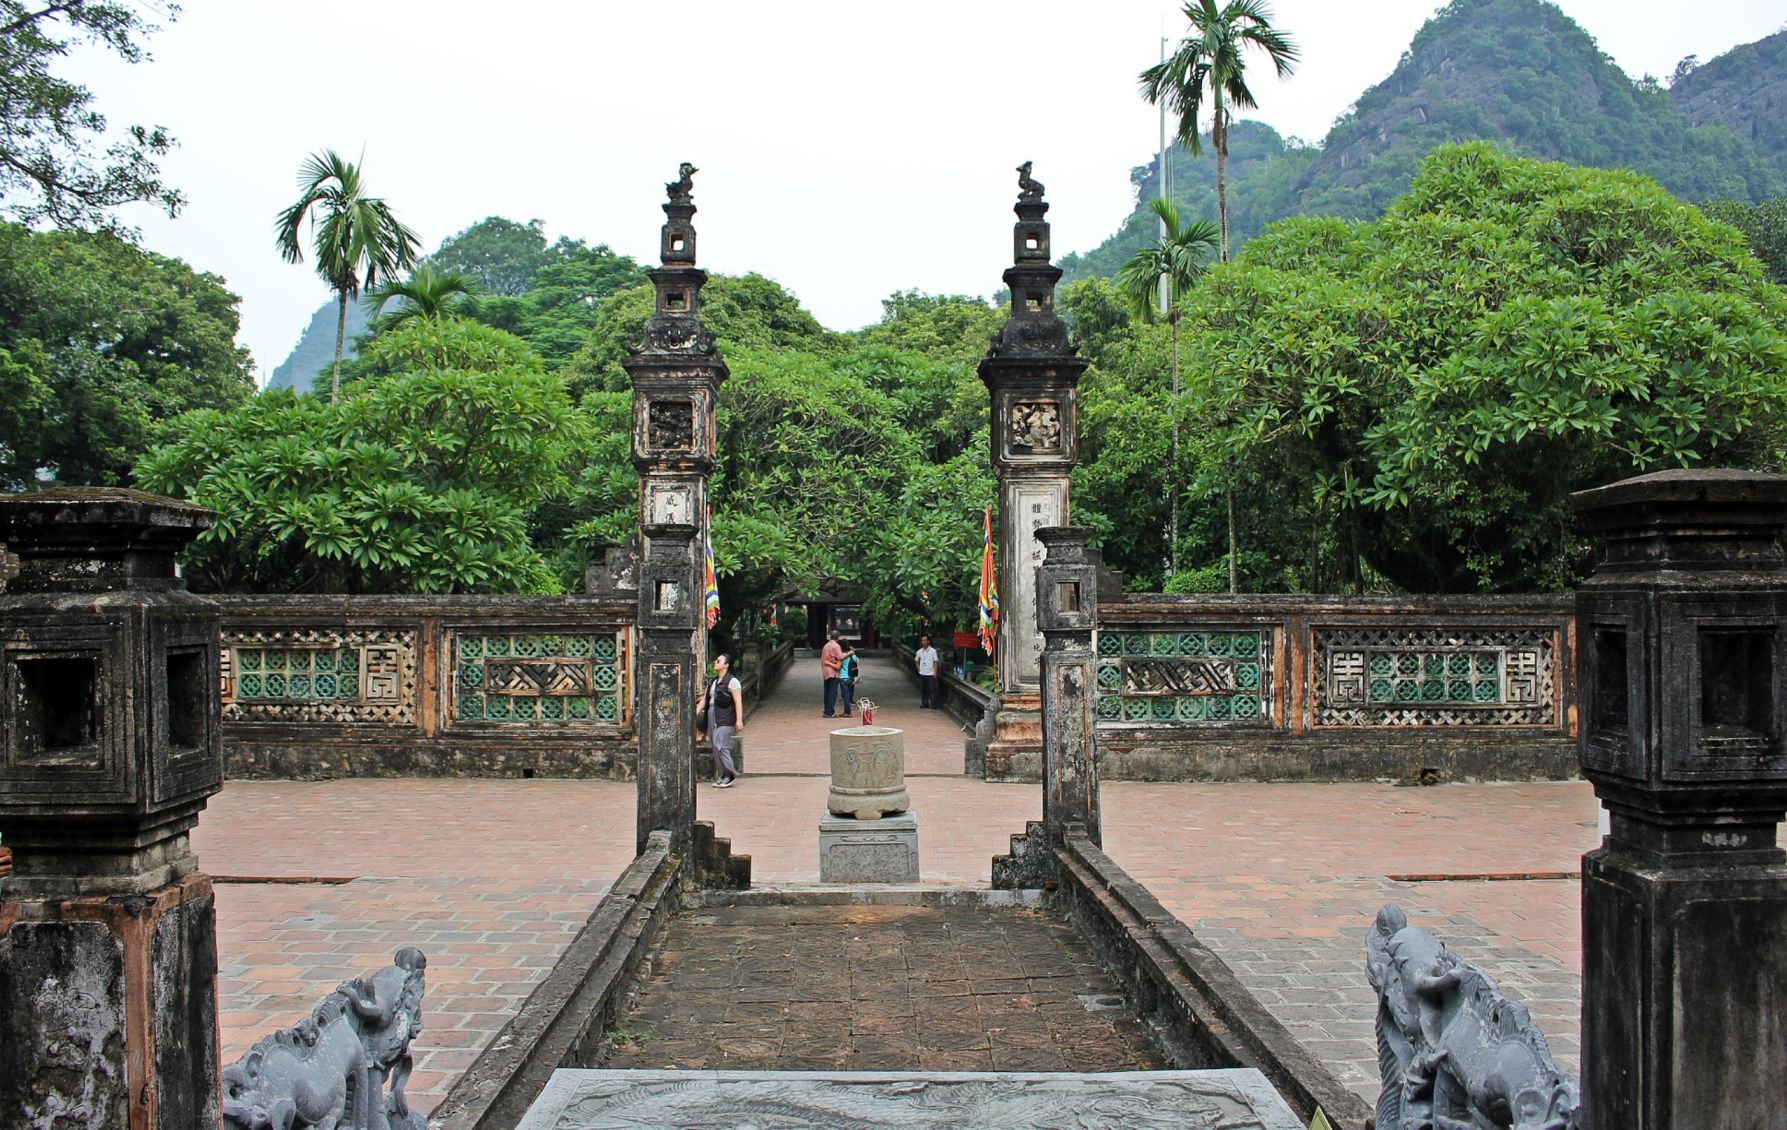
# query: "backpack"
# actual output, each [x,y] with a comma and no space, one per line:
[848,670]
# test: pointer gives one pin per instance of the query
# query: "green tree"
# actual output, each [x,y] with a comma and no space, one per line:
[99,342]
[561,304]
[1422,393]
[502,255]
[48,170]
[1153,281]
[420,481]
[426,293]
[356,240]
[1213,57]
[1763,225]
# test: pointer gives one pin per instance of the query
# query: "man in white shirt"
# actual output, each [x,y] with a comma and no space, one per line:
[925,658]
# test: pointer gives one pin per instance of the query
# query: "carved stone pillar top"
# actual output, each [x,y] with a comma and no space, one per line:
[1687,520]
[109,741]
[1682,646]
[1067,582]
[97,539]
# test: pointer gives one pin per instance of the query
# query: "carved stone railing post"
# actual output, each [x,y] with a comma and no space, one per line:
[1683,660]
[1032,377]
[109,748]
[1067,615]
[676,372]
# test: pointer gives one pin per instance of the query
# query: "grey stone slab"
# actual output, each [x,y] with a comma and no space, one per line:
[868,851]
[584,1099]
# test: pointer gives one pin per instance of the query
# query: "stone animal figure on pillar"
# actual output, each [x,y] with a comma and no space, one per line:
[683,187]
[1455,1053]
[341,1068]
[1029,188]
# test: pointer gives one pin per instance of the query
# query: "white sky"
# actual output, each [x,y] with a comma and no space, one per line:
[847,150]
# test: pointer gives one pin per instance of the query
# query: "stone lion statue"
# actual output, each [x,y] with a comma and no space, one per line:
[1454,1052]
[341,1068]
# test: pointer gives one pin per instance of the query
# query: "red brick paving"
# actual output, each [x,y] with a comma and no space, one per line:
[492,878]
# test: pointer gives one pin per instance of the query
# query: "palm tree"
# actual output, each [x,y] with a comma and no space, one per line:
[1153,280]
[1211,56]
[426,293]
[356,239]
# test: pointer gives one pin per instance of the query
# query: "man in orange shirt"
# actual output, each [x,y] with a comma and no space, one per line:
[831,657]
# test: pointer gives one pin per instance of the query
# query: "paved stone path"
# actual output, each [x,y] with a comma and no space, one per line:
[879,988]
[492,878]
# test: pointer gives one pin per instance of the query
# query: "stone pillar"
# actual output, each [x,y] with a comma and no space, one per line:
[676,373]
[109,747]
[1032,376]
[1067,614]
[1683,665]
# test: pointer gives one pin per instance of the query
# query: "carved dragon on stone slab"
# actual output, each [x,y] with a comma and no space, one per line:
[1455,1053]
[343,1067]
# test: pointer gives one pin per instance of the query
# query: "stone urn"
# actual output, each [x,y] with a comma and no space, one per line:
[868,772]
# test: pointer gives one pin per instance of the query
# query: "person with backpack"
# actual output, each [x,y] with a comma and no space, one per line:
[720,715]
[847,671]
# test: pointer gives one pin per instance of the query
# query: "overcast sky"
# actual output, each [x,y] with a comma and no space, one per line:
[846,150]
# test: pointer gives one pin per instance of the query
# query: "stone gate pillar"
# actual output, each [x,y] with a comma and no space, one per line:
[1067,614]
[1683,665]
[109,747]
[676,372]
[1032,376]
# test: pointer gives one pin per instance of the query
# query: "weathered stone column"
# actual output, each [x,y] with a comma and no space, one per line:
[676,372]
[1683,664]
[109,747]
[1067,614]
[1032,376]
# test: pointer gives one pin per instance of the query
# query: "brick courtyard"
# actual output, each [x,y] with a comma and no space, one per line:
[324,880]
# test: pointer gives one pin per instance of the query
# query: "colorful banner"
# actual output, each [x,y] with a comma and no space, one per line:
[710,583]
[989,590]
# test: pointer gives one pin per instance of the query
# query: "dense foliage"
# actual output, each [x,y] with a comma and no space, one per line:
[420,480]
[49,128]
[1422,393]
[98,342]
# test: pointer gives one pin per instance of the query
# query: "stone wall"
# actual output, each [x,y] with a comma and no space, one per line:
[456,686]
[1325,688]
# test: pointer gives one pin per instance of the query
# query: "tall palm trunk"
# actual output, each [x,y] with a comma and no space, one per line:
[340,333]
[1219,133]
[1173,472]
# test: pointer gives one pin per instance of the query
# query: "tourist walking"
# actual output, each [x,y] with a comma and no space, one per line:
[722,714]
[831,658]
[847,671]
[925,659]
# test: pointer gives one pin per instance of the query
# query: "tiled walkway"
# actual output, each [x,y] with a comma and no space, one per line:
[492,878]
[879,988]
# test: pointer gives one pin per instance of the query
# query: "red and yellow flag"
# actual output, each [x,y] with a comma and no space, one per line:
[989,589]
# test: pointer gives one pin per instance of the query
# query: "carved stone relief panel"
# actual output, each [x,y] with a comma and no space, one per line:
[1036,427]
[670,425]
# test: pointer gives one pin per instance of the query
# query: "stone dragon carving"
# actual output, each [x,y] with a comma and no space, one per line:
[341,1068]
[682,188]
[1029,188]
[1455,1053]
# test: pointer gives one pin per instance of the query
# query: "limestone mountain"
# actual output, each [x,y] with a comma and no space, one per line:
[1517,72]
[315,351]
[1744,90]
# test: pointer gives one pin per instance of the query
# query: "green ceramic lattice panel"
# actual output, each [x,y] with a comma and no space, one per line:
[1434,677]
[1174,678]
[296,674]
[529,677]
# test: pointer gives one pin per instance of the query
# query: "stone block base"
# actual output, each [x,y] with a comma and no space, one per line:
[110,1007]
[1142,1100]
[868,851]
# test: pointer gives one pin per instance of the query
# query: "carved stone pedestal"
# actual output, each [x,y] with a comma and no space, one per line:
[1015,753]
[868,851]
[868,772]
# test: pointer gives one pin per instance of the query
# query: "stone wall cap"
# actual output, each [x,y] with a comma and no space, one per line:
[1682,485]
